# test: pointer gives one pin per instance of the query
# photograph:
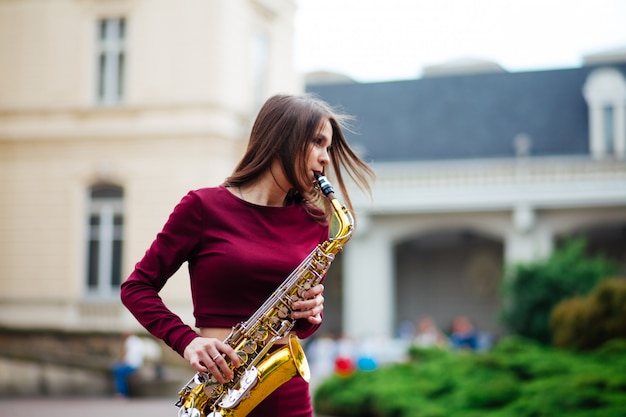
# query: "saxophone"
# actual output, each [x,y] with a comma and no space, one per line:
[263,370]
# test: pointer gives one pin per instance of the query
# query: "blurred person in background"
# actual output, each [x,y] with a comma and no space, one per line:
[463,336]
[132,359]
[429,335]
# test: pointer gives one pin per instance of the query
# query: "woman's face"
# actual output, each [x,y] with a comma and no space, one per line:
[317,157]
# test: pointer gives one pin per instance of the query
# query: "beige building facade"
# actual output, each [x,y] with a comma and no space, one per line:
[110,111]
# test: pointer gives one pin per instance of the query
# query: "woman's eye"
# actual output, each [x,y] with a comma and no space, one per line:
[321,142]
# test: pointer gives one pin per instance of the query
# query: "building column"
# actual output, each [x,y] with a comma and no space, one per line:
[368,287]
[526,241]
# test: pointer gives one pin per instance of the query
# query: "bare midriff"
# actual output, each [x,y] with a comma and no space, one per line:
[222,333]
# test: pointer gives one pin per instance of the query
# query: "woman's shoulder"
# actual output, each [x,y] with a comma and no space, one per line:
[210,193]
[201,199]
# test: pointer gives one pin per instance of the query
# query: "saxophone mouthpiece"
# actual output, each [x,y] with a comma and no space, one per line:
[326,187]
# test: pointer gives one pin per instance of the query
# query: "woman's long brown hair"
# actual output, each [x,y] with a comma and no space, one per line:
[284,129]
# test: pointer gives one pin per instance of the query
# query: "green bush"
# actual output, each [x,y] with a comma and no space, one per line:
[517,378]
[532,290]
[588,322]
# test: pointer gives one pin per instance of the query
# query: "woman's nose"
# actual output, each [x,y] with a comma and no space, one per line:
[324,157]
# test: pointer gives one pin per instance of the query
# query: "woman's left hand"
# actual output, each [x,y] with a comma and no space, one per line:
[311,306]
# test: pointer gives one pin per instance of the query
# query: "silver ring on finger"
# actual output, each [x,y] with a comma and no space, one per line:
[216,357]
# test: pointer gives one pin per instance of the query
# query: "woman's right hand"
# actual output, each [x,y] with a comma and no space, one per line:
[206,354]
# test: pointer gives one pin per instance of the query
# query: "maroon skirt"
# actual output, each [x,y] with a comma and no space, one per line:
[292,399]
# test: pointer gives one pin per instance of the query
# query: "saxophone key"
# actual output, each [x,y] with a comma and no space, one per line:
[194,412]
[261,333]
[234,396]
[211,389]
[243,356]
[249,347]
[283,312]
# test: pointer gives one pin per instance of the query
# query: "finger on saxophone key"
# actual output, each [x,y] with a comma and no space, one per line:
[224,373]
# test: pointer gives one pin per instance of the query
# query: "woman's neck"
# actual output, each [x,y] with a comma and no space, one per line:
[270,189]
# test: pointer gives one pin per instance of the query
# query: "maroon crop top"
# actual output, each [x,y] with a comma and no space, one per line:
[237,252]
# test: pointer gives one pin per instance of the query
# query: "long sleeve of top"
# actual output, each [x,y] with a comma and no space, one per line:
[237,255]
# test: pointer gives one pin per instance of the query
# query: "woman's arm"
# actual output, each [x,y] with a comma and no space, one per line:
[172,246]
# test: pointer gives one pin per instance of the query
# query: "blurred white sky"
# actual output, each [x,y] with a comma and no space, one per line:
[380,40]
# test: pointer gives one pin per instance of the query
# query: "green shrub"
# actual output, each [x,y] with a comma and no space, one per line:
[588,322]
[490,390]
[529,360]
[532,290]
[517,378]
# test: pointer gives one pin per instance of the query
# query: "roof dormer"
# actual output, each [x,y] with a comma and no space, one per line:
[605,93]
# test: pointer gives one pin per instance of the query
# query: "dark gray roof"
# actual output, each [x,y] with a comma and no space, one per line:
[466,116]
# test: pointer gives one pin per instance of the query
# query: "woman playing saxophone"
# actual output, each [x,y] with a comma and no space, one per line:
[244,236]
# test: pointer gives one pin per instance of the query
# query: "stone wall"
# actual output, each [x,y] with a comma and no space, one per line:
[59,364]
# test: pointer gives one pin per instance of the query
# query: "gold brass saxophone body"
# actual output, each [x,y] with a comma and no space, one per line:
[262,370]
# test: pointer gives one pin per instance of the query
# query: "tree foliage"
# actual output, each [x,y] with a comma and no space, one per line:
[532,290]
[587,322]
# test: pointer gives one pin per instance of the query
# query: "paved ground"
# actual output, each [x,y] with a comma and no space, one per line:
[101,407]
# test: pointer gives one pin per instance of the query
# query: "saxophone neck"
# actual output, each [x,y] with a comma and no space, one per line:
[345,220]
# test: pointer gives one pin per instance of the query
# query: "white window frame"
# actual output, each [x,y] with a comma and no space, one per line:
[605,93]
[111,60]
[104,265]
[608,127]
